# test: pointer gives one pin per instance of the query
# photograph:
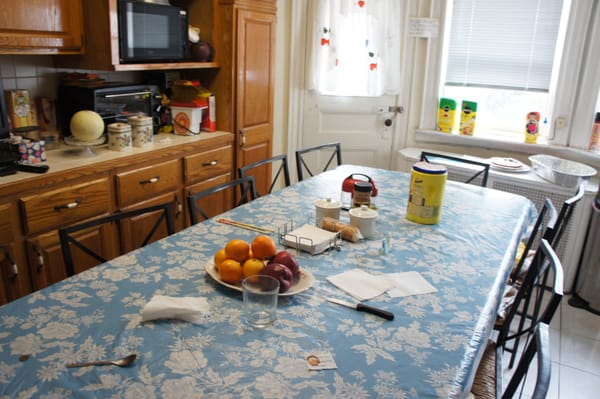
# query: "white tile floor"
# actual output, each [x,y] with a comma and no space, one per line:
[575,341]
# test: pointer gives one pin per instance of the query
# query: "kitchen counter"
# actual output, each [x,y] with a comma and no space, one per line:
[69,157]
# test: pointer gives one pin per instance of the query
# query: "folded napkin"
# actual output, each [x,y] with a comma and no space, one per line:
[409,283]
[361,285]
[190,309]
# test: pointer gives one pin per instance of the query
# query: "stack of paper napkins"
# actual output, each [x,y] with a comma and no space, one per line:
[363,286]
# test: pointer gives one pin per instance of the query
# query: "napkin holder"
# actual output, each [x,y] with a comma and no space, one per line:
[310,238]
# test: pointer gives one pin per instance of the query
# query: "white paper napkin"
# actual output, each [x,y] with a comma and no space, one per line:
[360,284]
[409,283]
[190,309]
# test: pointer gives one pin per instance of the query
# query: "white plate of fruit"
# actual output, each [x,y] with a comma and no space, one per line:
[240,259]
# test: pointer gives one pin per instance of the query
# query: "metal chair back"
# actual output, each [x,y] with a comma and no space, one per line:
[247,193]
[70,239]
[333,149]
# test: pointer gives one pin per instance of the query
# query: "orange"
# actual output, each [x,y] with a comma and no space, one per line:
[252,267]
[263,247]
[237,249]
[219,257]
[230,271]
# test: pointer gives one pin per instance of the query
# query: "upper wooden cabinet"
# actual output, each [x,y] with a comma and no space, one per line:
[102,37]
[41,27]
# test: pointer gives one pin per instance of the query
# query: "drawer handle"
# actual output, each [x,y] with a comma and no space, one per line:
[11,261]
[211,163]
[150,181]
[70,205]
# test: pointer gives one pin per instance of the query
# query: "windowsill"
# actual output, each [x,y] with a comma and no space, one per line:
[584,156]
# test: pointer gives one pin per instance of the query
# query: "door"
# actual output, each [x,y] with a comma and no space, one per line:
[255,92]
[365,126]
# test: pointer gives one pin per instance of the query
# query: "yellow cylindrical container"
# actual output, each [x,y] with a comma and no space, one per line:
[427,183]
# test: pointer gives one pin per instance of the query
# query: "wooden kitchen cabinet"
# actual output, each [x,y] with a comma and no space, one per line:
[208,169]
[76,189]
[245,83]
[41,27]
[13,274]
[102,37]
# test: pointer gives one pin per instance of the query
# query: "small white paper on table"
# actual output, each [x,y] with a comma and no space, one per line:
[191,309]
[361,285]
[409,283]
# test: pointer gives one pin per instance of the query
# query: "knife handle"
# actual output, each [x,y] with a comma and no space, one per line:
[377,312]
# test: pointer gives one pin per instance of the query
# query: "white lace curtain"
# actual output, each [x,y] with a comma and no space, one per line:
[354,47]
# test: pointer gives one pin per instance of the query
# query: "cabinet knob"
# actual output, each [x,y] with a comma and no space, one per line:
[211,163]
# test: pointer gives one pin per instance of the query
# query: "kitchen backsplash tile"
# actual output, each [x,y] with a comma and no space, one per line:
[36,73]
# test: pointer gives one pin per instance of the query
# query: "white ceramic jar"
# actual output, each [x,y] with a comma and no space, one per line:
[119,136]
[141,130]
[327,207]
[364,218]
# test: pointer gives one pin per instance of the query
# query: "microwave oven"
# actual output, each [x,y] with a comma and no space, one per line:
[152,32]
[113,101]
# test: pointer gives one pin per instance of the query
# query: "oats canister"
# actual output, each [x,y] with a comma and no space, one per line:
[119,136]
[141,130]
[427,184]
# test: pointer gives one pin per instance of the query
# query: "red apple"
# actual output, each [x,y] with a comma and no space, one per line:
[281,273]
[287,259]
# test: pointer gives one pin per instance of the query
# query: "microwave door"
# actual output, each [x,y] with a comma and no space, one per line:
[151,32]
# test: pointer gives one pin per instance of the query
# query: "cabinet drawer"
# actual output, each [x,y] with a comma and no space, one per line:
[59,207]
[208,164]
[141,184]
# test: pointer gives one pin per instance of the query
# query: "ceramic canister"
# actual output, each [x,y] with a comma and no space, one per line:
[141,130]
[427,184]
[327,207]
[119,136]
[363,218]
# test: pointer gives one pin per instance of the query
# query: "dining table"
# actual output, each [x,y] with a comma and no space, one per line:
[430,349]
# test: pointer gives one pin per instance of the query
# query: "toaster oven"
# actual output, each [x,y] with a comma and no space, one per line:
[113,101]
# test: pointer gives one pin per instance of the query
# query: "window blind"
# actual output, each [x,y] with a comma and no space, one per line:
[503,44]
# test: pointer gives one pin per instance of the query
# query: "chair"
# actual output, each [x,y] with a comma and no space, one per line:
[69,237]
[334,149]
[247,193]
[488,380]
[479,170]
[555,234]
[283,171]
[535,301]
[544,227]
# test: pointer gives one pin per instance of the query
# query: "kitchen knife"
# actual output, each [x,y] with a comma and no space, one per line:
[364,308]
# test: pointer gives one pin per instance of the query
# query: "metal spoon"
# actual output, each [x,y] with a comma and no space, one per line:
[124,362]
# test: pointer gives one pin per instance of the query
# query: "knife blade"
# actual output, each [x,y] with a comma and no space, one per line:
[364,308]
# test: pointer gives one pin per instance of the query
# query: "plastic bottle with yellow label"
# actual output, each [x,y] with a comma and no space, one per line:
[446,121]
[427,185]
[468,111]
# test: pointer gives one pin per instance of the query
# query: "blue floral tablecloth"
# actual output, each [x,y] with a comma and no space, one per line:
[430,349]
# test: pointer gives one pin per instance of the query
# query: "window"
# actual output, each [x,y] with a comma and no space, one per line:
[355,47]
[515,57]
[501,55]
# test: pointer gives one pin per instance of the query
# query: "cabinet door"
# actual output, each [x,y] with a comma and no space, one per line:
[214,204]
[134,230]
[11,275]
[46,262]
[255,89]
[41,26]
